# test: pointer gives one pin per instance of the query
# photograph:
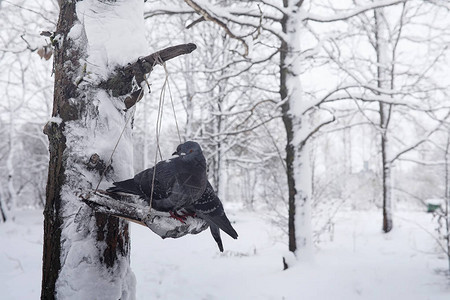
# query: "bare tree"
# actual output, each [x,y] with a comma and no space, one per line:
[24,86]
[391,83]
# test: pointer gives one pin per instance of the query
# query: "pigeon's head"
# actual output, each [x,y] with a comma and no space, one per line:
[188,148]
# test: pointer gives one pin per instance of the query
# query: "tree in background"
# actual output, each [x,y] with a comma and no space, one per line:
[389,81]
[25,87]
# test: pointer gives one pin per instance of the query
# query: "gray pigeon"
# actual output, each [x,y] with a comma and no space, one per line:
[178,181]
[181,185]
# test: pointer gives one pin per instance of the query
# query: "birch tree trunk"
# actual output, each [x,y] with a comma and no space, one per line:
[297,151]
[384,81]
[10,166]
[86,254]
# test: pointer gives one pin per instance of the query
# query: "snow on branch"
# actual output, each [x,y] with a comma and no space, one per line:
[163,9]
[253,12]
[353,12]
[209,15]
[423,162]
[384,96]
[420,141]
[316,129]
[121,81]
[132,208]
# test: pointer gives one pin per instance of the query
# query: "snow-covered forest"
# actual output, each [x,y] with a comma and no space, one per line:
[325,126]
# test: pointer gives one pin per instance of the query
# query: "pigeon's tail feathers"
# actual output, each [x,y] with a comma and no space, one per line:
[215,232]
[127,186]
[223,223]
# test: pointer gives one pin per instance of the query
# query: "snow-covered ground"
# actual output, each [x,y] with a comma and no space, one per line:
[360,262]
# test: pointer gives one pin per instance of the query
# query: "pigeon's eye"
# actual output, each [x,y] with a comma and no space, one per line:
[190,151]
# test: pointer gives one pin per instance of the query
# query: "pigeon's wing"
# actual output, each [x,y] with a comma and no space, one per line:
[185,182]
[209,208]
[128,186]
[162,185]
[141,184]
[177,185]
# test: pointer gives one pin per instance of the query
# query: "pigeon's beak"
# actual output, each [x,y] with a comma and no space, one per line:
[175,153]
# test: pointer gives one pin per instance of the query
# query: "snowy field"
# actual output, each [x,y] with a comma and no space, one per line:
[360,262]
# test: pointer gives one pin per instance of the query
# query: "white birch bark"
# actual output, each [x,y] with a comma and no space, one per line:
[384,82]
[300,128]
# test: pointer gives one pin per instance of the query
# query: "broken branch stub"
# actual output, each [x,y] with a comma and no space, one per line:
[120,83]
[134,209]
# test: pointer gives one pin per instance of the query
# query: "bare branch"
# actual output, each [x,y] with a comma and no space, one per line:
[315,130]
[249,129]
[40,14]
[421,141]
[167,10]
[207,15]
[422,162]
[354,12]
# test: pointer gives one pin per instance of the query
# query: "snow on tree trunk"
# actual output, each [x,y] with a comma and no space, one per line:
[86,254]
[384,82]
[297,128]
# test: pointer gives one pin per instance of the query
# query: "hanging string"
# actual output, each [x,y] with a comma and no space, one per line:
[117,143]
[158,126]
[162,97]
[173,106]
[123,130]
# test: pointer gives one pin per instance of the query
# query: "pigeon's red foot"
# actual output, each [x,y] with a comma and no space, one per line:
[186,214]
[174,215]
